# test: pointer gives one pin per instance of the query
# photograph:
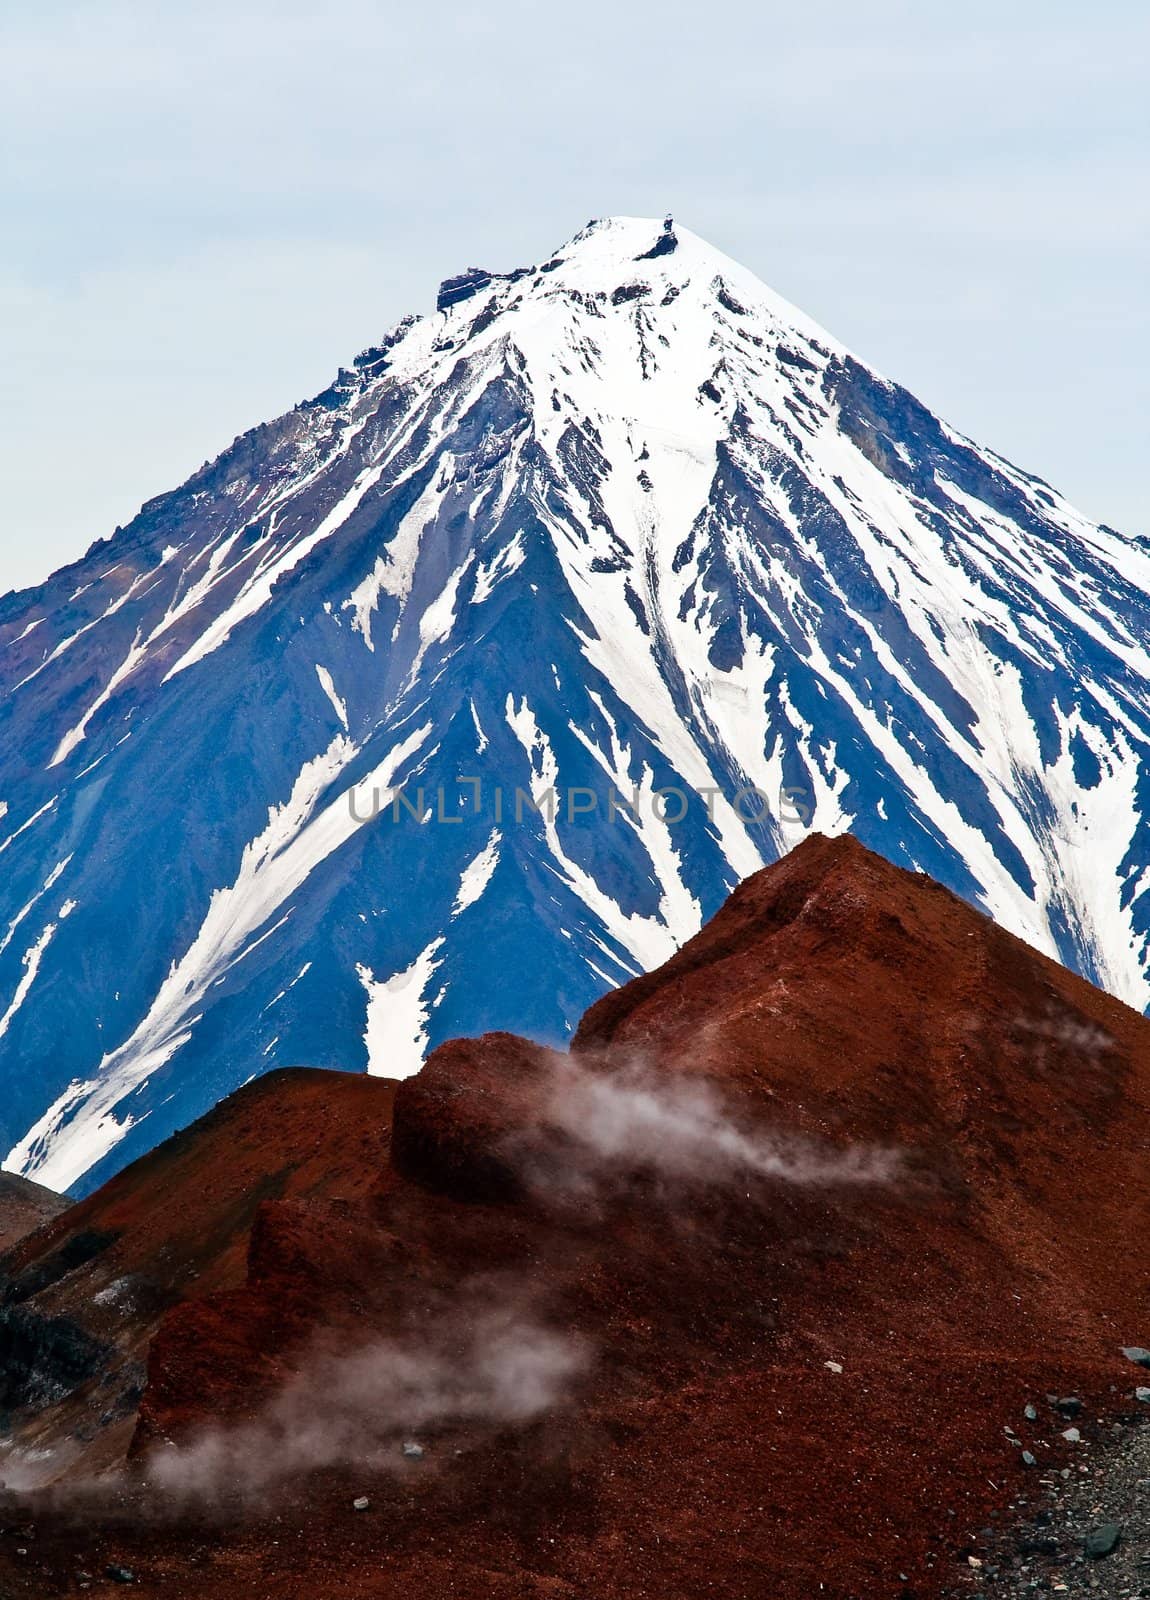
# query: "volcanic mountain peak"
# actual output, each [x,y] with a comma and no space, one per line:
[635,262]
[560,612]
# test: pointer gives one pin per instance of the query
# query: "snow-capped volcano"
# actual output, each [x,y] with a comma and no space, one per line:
[623,529]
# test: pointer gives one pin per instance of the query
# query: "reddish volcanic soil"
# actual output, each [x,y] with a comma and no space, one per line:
[174,1225]
[24,1207]
[739,1300]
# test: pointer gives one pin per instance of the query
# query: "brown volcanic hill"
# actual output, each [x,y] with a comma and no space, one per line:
[856,995]
[24,1207]
[745,1296]
[81,1299]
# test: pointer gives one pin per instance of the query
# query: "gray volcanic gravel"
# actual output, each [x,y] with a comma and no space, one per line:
[1041,1548]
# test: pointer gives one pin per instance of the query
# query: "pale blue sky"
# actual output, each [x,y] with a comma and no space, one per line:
[207,209]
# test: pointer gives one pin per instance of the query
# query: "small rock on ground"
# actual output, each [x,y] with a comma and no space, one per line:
[1102,1541]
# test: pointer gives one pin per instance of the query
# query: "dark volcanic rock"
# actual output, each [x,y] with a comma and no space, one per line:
[666,244]
[77,1250]
[461,287]
[1102,1541]
[44,1359]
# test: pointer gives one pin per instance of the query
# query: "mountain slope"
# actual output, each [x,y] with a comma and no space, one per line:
[81,1300]
[763,1288]
[621,523]
[24,1207]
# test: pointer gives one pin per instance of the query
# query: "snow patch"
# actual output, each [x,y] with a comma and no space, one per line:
[477,875]
[31,964]
[398,1015]
[328,688]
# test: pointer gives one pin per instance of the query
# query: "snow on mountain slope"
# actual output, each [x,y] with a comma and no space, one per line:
[620,524]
